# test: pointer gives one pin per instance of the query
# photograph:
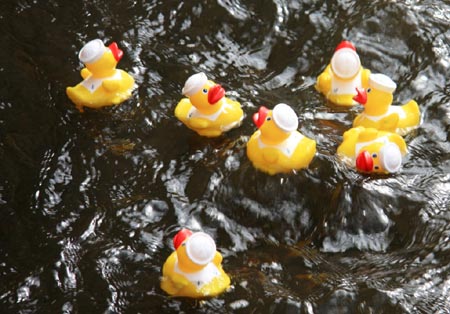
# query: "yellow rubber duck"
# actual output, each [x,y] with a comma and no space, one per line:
[277,146]
[372,151]
[378,112]
[103,84]
[206,110]
[344,73]
[194,269]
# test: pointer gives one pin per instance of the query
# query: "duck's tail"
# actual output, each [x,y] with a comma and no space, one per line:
[71,93]
[412,111]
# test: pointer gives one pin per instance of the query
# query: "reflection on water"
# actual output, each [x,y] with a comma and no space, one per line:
[90,202]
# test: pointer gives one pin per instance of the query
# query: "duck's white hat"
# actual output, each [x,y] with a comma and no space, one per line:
[200,248]
[194,83]
[382,82]
[285,117]
[390,157]
[92,51]
[345,61]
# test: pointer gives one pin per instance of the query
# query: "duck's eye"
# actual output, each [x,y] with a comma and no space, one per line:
[369,90]
[205,91]
[376,167]
[268,118]
[374,155]
[183,244]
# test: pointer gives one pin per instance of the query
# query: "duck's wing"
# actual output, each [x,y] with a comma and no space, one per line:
[174,283]
[367,134]
[390,122]
[270,155]
[323,83]
[85,73]
[111,85]
[199,123]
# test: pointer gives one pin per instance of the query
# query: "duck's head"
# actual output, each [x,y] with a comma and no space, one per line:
[194,250]
[345,62]
[276,125]
[378,97]
[100,60]
[379,158]
[204,94]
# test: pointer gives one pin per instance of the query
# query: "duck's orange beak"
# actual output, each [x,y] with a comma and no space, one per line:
[215,94]
[260,116]
[364,161]
[117,53]
[361,96]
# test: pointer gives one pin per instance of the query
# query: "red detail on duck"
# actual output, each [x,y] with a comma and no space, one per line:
[117,53]
[215,94]
[180,237]
[260,116]
[345,44]
[364,161]
[361,96]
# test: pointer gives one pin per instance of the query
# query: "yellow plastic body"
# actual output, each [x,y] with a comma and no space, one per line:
[369,140]
[328,78]
[263,149]
[379,114]
[115,85]
[177,284]
[210,120]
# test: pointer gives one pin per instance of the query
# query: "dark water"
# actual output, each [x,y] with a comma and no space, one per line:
[90,201]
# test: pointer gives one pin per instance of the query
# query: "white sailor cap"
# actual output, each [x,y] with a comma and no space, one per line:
[382,82]
[200,248]
[345,61]
[390,157]
[285,117]
[92,51]
[194,83]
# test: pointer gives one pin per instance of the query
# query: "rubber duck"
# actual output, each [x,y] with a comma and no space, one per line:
[194,269]
[277,146]
[378,112]
[372,151]
[206,110]
[344,73]
[103,84]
